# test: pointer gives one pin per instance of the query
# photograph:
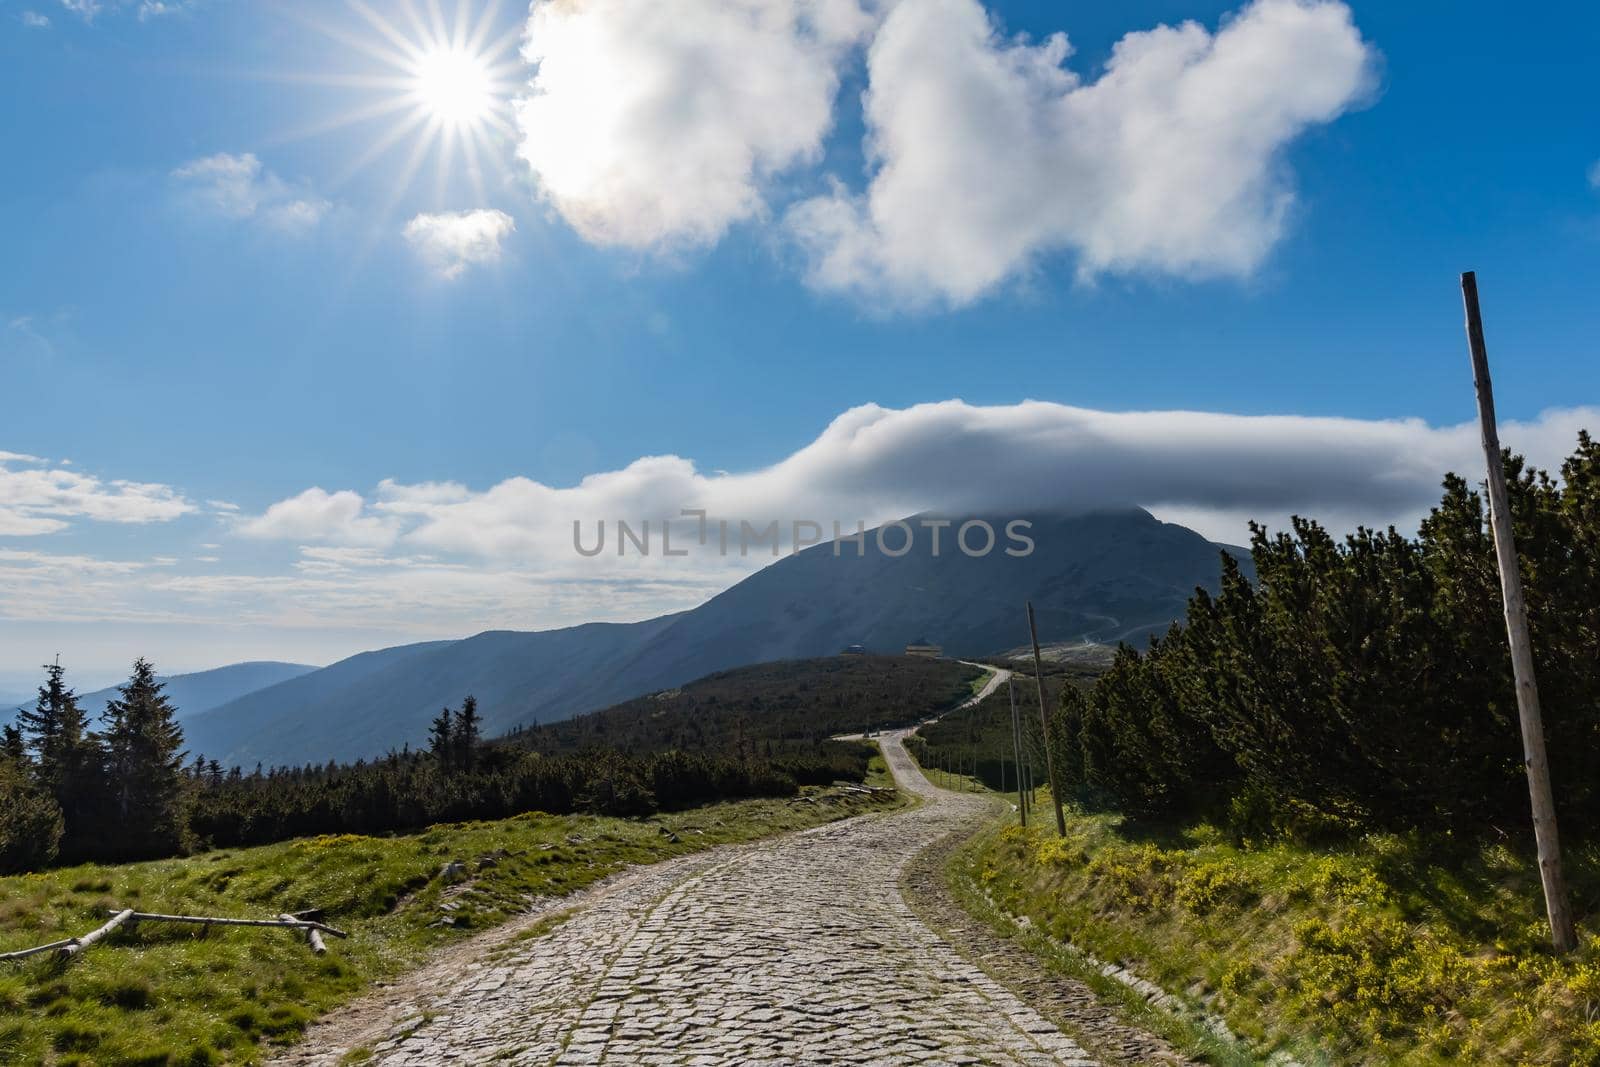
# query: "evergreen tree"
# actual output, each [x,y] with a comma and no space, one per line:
[468,727]
[144,764]
[30,818]
[441,738]
[67,757]
[12,746]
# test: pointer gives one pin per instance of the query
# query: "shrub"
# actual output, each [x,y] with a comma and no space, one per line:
[30,823]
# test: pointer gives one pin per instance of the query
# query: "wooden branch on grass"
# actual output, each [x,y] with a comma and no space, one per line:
[313,936]
[67,948]
[212,920]
[78,944]
[24,953]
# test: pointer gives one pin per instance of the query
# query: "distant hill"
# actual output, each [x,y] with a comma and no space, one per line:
[196,693]
[1104,577]
[791,702]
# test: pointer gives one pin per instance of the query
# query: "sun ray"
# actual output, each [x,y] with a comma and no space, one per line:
[407,46]
[405,125]
[437,71]
[469,151]
[474,41]
[354,116]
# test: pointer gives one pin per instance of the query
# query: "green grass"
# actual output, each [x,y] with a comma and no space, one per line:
[165,995]
[1185,1033]
[1393,949]
[975,686]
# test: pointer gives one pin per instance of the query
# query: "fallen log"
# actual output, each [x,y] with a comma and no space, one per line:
[212,920]
[313,936]
[67,948]
[78,944]
[24,953]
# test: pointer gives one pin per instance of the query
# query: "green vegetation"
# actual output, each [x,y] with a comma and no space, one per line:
[773,710]
[1363,685]
[1395,948]
[74,793]
[1306,804]
[168,995]
[116,794]
[1187,1032]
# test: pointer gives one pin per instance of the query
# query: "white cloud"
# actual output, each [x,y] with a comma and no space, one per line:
[652,126]
[411,560]
[1594,175]
[34,20]
[989,153]
[240,187]
[320,516]
[84,9]
[455,240]
[15,523]
[1214,471]
[89,10]
[654,123]
[39,499]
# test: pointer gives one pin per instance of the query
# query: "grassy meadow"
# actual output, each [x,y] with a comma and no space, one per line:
[163,994]
[1395,949]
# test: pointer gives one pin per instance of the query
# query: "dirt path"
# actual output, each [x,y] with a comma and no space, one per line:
[798,950]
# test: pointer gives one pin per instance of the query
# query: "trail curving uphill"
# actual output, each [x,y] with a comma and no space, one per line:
[797,950]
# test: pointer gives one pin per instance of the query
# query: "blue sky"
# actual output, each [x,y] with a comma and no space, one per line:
[153,330]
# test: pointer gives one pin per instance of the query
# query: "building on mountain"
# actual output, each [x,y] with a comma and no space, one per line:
[923,649]
[854,650]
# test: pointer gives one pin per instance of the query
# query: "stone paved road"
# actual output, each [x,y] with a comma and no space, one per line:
[798,950]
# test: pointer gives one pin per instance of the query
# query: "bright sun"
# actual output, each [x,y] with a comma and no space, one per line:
[441,79]
[454,86]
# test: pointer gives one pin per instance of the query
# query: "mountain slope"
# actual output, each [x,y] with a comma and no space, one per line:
[222,729]
[797,702]
[1104,577]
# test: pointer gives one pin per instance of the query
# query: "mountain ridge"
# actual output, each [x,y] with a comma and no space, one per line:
[1107,576]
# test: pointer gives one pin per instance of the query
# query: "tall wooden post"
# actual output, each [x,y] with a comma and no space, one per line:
[1016,748]
[1044,723]
[1558,907]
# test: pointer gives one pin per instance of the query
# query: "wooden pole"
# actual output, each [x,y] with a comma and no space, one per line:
[79,944]
[313,937]
[1558,907]
[212,920]
[1016,748]
[24,953]
[1044,723]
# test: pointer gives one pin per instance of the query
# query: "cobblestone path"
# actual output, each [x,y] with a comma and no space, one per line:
[799,950]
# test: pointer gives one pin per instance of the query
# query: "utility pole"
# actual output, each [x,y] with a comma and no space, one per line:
[1044,723]
[1016,747]
[1557,905]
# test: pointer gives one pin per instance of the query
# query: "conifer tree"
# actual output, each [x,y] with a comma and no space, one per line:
[30,818]
[67,757]
[144,764]
[12,746]
[468,728]
[441,738]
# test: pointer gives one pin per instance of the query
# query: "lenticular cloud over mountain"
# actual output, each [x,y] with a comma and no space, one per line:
[874,464]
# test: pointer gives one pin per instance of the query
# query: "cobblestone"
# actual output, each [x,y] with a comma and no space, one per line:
[798,950]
